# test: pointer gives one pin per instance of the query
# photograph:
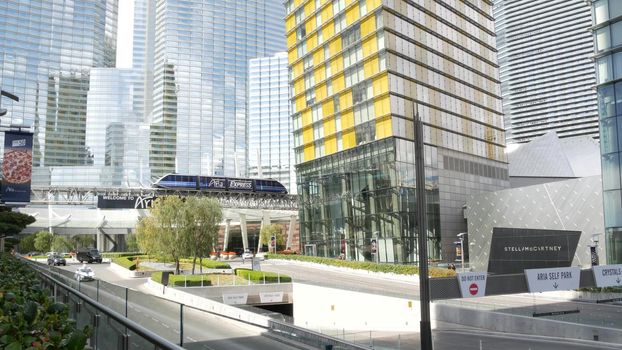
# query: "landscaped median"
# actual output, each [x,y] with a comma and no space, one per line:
[142,265]
[260,277]
[29,318]
[407,270]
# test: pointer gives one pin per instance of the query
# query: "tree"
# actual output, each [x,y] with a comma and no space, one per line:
[12,223]
[271,230]
[82,241]
[201,222]
[43,241]
[162,232]
[27,243]
[131,243]
[61,244]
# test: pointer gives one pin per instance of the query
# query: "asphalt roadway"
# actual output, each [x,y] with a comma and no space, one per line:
[206,331]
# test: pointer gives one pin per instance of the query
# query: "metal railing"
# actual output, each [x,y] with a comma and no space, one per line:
[111,329]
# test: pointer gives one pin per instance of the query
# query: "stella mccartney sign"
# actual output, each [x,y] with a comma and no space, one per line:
[512,250]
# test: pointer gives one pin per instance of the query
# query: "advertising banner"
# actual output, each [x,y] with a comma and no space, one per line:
[125,201]
[546,280]
[608,275]
[17,167]
[512,250]
[472,284]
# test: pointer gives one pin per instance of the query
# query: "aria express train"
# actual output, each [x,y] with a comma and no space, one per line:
[210,183]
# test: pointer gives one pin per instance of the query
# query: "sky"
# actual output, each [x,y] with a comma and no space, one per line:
[124,34]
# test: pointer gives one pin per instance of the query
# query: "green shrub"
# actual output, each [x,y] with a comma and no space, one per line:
[261,276]
[207,263]
[29,318]
[365,265]
[127,262]
[183,280]
[113,255]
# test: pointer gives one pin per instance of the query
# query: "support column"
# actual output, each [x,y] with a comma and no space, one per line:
[101,241]
[290,233]
[265,221]
[244,230]
[225,244]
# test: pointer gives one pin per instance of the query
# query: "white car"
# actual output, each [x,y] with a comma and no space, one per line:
[84,273]
[247,255]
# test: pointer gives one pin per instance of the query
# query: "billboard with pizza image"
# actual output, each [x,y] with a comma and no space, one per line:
[17,167]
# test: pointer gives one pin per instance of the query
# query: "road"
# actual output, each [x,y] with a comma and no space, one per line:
[201,330]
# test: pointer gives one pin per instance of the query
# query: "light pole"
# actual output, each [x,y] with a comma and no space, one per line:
[594,249]
[461,237]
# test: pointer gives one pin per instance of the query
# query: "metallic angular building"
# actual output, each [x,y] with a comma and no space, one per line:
[47,50]
[360,71]
[200,74]
[270,140]
[546,70]
[607,29]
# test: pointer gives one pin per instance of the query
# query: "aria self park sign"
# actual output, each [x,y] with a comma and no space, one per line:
[472,284]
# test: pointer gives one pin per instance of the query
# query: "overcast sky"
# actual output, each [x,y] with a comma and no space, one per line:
[124,34]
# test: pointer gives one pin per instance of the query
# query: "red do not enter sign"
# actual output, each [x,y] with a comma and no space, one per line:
[473,289]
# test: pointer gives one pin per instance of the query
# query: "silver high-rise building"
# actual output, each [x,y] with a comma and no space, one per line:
[201,55]
[546,70]
[270,138]
[47,49]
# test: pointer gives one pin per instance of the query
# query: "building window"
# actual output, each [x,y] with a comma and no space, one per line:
[328,70]
[603,69]
[379,21]
[601,11]
[382,61]
[339,142]
[351,36]
[318,131]
[316,113]
[364,113]
[326,52]
[338,6]
[299,15]
[289,4]
[319,149]
[352,56]
[320,37]
[297,121]
[363,7]
[354,75]
[301,33]
[380,39]
[318,20]
[340,23]
[299,155]
[338,122]
[297,138]
[365,133]
[309,81]
[310,96]
[336,104]
[307,63]
[302,48]
[329,88]
[603,40]
[317,4]
[361,92]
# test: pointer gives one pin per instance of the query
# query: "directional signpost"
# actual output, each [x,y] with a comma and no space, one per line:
[608,275]
[546,280]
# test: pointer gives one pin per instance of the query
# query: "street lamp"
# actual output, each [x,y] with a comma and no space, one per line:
[461,237]
[9,95]
[594,249]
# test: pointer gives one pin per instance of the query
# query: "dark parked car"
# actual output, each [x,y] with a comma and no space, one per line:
[56,260]
[89,256]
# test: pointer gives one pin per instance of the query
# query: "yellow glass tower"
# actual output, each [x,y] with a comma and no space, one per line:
[360,69]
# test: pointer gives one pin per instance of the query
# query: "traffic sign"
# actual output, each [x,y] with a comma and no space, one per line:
[608,275]
[546,280]
[472,284]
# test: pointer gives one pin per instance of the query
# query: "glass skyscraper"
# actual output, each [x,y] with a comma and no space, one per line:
[361,70]
[201,55]
[47,49]
[270,140]
[607,29]
[546,69]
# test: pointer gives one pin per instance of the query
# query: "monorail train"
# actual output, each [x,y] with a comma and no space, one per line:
[211,183]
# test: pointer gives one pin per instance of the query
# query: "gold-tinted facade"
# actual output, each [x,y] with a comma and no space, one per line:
[359,69]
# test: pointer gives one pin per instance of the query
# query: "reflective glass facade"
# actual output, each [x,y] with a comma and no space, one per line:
[546,69]
[360,70]
[47,49]
[270,140]
[607,29]
[202,49]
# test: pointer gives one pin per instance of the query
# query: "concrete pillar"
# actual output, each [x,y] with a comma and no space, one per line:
[226,242]
[101,241]
[290,233]
[244,230]
[265,221]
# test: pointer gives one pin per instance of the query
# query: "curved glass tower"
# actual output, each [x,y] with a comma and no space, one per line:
[607,29]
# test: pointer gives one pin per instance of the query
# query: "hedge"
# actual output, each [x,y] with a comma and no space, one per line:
[29,317]
[261,276]
[113,255]
[127,262]
[183,280]
[365,265]
[207,263]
